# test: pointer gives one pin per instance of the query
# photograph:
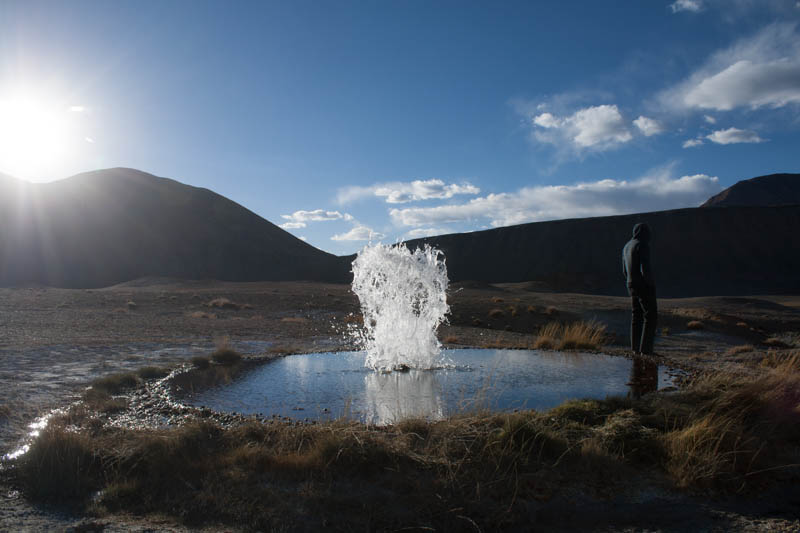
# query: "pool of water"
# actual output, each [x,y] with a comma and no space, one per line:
[331,385]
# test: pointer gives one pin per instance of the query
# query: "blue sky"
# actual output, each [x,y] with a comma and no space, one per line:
[345,121]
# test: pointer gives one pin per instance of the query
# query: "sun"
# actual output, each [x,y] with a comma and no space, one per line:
[34,134]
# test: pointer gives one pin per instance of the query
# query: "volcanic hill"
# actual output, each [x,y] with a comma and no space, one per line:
[774,189]
[109,226]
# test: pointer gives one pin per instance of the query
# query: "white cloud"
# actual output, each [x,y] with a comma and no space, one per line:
[358,233]
[758,71]
[734,136]
[419,233]
[298,219]
[648,126]
[292,225]
[605,197]
[686,5]
[402,192]
[77,108]
[691,143]
[709,119]
[89,140]
[597,127]
[547,120]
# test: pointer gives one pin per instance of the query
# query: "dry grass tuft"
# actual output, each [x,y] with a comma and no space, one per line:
[775,342]
[497,299]
[226,356]
[202,314]
[200,362]
[131,304]
[295,320]
[223,303]
[116,383]
[496,313]
[742,324]
[451,339]
[512,310]
[576,336]
[550,310]
[736,350]
[531,309]
[152,372]
[695,324]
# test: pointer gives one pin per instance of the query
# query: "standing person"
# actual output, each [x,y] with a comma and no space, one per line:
[642,288]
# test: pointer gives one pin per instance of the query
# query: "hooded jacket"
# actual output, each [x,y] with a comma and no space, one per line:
[636,259]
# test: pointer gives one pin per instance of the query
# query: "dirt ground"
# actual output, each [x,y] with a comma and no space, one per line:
[54,341]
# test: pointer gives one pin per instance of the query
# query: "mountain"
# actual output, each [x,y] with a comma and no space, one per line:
[696,251]
[109,226]
[774,189]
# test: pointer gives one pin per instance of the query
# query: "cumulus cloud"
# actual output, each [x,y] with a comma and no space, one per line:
[691,143]
[419,233]
[403,192]
[759,71]
[734,136]
[648,126]
[597,127]
[299,219]
[605,197]
[358,233]
[709,119]
[686,5]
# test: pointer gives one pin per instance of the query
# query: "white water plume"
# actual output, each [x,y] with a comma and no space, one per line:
[403,300]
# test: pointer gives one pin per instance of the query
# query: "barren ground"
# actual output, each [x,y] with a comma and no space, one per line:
[54,341]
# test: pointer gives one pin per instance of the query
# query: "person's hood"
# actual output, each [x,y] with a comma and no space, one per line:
[641,232]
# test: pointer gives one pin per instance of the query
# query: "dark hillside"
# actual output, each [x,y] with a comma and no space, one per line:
[729,250]
[110,226]
[774,189]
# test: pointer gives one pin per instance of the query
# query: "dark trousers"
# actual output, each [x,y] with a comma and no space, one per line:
[644,318]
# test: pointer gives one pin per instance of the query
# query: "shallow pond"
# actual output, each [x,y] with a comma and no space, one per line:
[331,385]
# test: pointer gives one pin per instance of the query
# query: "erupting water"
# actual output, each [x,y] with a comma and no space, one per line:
[403,301]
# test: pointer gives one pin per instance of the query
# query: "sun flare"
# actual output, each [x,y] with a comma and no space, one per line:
[34,134]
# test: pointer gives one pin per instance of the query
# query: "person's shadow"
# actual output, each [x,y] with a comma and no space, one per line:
[644,377]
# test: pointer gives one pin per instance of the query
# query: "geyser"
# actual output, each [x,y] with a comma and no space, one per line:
[403,300]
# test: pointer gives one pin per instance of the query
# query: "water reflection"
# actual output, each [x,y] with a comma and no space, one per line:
[644,377]
[325,385]
[393,396]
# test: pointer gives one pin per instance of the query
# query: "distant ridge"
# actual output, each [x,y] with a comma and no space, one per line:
[774,189]
[111,226]
[119,225]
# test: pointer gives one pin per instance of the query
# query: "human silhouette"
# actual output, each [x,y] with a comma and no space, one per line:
[642,288]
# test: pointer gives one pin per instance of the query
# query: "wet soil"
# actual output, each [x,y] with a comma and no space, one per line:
[54,341]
